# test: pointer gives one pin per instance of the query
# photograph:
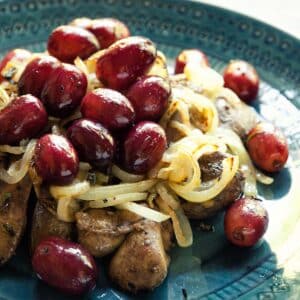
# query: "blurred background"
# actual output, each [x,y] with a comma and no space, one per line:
[284,15]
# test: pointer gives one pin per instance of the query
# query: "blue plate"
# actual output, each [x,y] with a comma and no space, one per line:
[211,268]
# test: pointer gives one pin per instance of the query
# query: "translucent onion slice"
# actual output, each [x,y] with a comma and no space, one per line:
[171,110]
[181,224]
[167,196]
[118,200]
[79,63]
[125,176]
[145,212]
[185,172]
[66,209]
[251,173]
[4,98]
[208,79]
[205,110]
[230,167]
[92,61]
[17,150]
[104,192]
[71,191]
[159,66]
[18,169]
[182,128]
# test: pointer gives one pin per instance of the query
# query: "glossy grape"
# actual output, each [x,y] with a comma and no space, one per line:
[67,42]
[267,147]
[55,159]
[108,107]
[35,75]
[124,61]
[18,55]
[190,56]
[93,142]
[81,22]
[143,147]
[243,79]
[245,222]
[65,265]
[108,31]
[149,97]
[64,90]
[23,118]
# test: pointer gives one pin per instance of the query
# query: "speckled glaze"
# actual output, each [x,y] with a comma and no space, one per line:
[210,269]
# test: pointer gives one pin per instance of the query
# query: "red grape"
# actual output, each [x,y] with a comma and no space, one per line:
[144,147]
[267,147]
[124,61]
[35,75]
[67,42]
[243,79]
[246,221]
[190,56]
[55,159]
[149,97]
[108,107]
[81,22]
[93,142]
[65,265]
[108,31]
[64,90]
[23,118]
[19,55]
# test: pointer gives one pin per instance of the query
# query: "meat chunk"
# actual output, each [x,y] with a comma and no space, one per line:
[236,115]
[211,168]
[13,210]
[231,193]
[101,231]
[211,165]
[45,223]
[141,263]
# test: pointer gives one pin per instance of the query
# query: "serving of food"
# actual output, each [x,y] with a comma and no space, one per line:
[120,151]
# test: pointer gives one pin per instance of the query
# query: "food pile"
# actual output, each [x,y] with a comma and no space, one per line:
[121,154]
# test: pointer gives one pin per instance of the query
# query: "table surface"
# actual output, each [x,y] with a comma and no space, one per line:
[284,15]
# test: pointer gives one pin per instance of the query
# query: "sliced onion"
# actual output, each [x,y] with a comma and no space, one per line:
[263,178]
[18,169]
[150,199]
[184,171]
[66,209]
[123,198]
[182,128]
[101,178]
[4,98]
[125,176]
[71,191]
[230,167]
[92,61]
[204,107]
[181,224]
[79,63]
[206,78]
[145,212]
[84,166]
[104,192]
[171,110]
[166,196]
[251,173]
[159,66]
[12,149]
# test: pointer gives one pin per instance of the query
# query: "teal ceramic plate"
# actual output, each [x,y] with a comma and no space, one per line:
[211,268]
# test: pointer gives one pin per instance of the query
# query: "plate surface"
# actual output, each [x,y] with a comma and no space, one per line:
[211,268]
